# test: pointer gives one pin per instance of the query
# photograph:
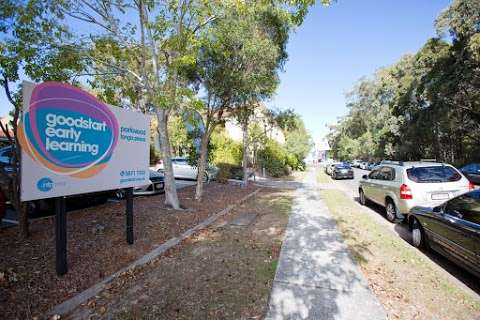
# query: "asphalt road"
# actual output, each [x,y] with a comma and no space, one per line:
[401,229]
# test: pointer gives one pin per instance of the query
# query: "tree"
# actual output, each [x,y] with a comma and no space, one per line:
[150,60]
[427,105]
[31,48]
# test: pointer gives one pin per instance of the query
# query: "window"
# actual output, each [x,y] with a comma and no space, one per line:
[433,174]
[386,173]
[472,168]
[374,174]
[466,207]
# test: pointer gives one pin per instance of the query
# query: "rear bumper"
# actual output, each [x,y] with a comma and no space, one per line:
[343,175]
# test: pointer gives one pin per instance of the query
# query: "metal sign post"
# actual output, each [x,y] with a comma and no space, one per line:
[61,235]
[129,199]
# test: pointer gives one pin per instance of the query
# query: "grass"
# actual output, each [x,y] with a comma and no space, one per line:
[322,177]
[406,283]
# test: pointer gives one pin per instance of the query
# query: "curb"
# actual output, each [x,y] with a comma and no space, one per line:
[72,303]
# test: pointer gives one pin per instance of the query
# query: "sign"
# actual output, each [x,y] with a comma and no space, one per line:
[72,143]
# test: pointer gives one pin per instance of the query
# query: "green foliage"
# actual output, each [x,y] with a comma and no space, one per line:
[225,150]
[154,155]
[425,106]
[298,141]
[274,158]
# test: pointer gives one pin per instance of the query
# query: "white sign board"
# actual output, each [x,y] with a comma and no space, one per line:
[72,143]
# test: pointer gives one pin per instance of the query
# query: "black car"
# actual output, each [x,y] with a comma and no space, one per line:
[452,229]
[472,172]
[342,171]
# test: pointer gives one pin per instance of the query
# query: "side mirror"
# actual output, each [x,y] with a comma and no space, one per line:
[365,177]
[438,209]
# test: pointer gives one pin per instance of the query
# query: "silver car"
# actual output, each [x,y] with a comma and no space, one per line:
[400,186]
[183,170]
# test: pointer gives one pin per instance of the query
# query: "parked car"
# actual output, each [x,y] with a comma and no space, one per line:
[342,171]
[356,163]
[183,170]
[452,229]
[372,165]
[363,165]
[400,186]
[329,167]
[155,185]
[472,172]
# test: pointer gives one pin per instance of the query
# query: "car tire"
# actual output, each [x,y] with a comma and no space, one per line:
[120,194]
[390,211]
[419,239]
[362,199]
[206,178]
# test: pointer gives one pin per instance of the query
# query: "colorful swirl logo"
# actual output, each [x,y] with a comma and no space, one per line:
[68,131]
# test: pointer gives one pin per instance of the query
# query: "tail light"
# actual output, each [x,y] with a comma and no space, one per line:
[405,192]
[471,186]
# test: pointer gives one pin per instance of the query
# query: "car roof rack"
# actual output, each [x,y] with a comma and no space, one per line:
[398,163]
[428,160]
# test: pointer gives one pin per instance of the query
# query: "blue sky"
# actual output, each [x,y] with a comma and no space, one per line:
[339,44]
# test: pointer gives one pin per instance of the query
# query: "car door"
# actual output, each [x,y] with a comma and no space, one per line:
[177,168]
[457,228]
[472,172]
[387,186]
[370,185]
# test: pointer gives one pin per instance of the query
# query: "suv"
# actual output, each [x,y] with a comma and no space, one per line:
[400,186]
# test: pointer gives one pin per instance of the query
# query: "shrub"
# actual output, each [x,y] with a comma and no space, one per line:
[274,158]
[224,149]
[229,171]
[154,155]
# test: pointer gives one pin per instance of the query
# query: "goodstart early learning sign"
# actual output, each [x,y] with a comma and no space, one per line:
[73,143]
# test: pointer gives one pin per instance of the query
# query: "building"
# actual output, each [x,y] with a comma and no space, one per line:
[321,150]
[262,117]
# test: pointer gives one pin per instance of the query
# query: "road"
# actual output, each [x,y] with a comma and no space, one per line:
[11,216]
[401,229]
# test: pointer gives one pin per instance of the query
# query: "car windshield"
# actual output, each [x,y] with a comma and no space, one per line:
[155,174]
[433,174]
[342,166]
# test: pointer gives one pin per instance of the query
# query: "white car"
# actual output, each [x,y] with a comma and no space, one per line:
[183,170]
[155,185]
[400,186]
[363,165]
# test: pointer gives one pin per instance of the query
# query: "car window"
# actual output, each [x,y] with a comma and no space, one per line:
[386,173]
[469,168]
[373,174]
[342,166]
[433,174]
[466,207]
[181,161]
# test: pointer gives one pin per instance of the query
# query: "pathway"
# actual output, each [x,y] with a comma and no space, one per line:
[316,277]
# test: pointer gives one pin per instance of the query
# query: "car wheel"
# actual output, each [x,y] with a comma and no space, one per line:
[120,194]
[419,239]
[363,199]
[391,211]
[206,178]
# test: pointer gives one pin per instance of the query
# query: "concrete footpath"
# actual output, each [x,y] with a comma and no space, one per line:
[316,277]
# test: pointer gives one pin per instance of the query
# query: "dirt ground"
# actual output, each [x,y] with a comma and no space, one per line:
[223,272]
[29,286]
[405,282]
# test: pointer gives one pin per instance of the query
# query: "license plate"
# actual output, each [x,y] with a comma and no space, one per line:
[440,196]
[344,171]
[159,186]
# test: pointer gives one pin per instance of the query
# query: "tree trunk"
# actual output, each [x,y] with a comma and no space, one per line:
[202,164]
[245,153]
[171,197]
